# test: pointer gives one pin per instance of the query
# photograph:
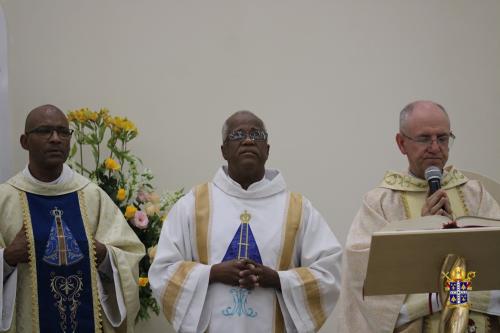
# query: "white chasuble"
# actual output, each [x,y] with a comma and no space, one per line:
[220,221]
[400,196]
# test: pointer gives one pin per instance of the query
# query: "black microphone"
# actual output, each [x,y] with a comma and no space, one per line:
[433,177]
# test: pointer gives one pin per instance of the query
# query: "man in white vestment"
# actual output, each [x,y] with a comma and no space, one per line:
[425,137]
[69,260]
[242,253]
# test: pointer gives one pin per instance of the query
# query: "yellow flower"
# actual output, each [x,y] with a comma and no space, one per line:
[108,120]
[82,115]
[121,194]
[104,112]
[71,116]
[111,164]
[130,211]
[143,281]
[119,124]
[93,116]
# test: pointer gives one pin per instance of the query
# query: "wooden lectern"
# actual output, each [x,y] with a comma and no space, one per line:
[406,257]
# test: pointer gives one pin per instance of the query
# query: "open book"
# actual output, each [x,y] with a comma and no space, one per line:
[406,256]
[439,222]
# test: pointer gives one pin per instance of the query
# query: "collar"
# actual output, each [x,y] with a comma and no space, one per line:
[405,181]
[272,183]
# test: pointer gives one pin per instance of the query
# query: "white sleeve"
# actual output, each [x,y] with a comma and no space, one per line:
[310,291]
[7,269]
[110,290]
[179,283]
[7,294]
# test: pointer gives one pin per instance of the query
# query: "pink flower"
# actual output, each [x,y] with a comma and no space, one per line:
[142,196]
[140,220]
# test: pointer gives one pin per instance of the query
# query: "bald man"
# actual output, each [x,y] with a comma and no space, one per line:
[425,137]
[69,260]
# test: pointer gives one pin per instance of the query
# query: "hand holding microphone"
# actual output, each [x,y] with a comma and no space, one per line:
[437,203]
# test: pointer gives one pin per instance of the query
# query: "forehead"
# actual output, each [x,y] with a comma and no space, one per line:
[244,121]
[46,117]
[428,119]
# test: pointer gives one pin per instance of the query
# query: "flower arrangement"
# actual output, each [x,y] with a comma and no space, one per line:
[115,169]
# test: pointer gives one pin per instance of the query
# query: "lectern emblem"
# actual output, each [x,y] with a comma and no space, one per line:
[459,284]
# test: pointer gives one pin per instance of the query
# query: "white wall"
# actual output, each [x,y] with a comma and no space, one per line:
[5,137]
[328,77]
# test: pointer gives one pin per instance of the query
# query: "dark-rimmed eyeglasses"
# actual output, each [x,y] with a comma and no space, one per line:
[443,140]
[45,132]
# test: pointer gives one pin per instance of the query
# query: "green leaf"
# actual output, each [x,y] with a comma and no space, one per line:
[73,151]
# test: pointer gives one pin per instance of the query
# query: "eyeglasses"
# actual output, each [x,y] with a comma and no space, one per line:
[443,140]
[254,135]
[46,131]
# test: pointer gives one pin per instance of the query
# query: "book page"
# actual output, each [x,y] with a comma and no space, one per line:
[433,222]
[476,221]
[436,222]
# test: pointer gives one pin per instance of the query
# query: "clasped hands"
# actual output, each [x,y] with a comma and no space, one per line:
[244,273]
[437,204]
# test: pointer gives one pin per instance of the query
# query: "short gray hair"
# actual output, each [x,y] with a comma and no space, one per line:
[408,109]
[225,126]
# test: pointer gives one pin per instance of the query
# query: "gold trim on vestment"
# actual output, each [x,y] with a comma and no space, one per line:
[202,214]
[414,201]
[32,260]
[404,182]
[203,219]
[174,287]
[462,200]
[92,262]
[279,322]
[293,219]
[406,205]
[313,295]
[289,235]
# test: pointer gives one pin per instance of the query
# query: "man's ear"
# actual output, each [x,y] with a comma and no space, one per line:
[400,140]
[224,151]
[24,141]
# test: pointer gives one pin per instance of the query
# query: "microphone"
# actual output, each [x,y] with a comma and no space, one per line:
[433,177]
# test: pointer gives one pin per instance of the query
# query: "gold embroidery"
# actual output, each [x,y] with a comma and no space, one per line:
[32,259]
[67,289]
[93,262]
[202,212]
[414,201]
[404,182]
[313,296]
[462,200]
[406,206]
[243,243]
[174,288]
